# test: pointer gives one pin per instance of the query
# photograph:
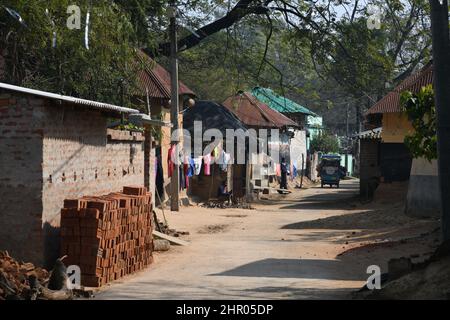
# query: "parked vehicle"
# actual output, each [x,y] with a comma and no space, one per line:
[330,170]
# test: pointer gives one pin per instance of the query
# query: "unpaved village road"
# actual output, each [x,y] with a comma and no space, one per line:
[270,252]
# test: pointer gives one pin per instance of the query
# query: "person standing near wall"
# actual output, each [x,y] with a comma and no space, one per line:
[284,173]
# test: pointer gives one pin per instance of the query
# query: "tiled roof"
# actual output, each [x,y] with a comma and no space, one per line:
[156,79]
[391,102]
[253,112]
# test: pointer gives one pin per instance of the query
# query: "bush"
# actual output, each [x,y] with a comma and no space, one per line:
[421,111]
[325,142]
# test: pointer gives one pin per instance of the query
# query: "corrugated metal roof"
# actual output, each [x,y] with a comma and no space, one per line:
[391,102]
[156,79]
[279,103]
[94,104]
[253,112]
[144,119]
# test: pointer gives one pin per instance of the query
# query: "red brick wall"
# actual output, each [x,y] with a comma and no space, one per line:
[20,178]
[57,151]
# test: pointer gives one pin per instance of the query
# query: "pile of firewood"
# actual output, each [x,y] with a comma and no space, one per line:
[164,228]
[15,275]
[24,281]
[214,204]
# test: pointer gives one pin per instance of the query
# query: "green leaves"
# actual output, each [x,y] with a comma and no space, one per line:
[421,111]
[325,142]
[105,72]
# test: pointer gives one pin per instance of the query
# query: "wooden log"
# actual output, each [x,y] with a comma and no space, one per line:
[161,245]
[169,238]
[5,284]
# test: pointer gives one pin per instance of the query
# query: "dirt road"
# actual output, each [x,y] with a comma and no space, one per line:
[306,245]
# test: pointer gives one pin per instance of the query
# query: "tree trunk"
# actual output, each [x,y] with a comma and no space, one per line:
[441,63]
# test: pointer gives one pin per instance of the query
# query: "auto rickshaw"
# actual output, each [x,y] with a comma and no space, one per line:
[330,170]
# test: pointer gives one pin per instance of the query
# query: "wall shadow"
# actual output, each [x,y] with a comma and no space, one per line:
[295,268]
[303,293]
[52,244]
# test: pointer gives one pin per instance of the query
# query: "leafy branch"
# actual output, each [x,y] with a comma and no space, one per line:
[421,110]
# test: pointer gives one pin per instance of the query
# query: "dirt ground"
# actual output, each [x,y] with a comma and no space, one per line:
[312,244]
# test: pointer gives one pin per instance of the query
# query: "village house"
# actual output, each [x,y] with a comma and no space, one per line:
[204,186]
[370,171]
[309,123]
[384,156]
[55,147]
[154,88]
[257,115]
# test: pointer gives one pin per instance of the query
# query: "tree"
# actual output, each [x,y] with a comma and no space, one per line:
[421,111]
[104,72]
[322,23]
[325,142]
[319,33]
[232,61]
[441,63]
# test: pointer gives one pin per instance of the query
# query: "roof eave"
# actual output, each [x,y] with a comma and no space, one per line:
[54,96]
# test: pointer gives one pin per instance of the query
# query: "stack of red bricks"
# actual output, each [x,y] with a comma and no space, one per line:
[108,236]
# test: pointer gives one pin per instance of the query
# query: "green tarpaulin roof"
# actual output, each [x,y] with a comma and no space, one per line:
[279,103]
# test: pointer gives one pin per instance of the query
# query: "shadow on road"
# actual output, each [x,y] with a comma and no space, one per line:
[356,220]
[294,268]
[303,293]
[326,198]
[341,201]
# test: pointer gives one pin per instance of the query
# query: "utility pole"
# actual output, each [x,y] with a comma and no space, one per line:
[175,180]
[357,154]
[346,139]
[441,67]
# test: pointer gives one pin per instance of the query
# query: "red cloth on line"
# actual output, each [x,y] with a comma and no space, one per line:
[186,177]
[207,163]
[278,170]
[170,158]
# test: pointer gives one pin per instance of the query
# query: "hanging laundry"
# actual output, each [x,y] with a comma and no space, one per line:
[278,170]
[197,165]
[188,167]
[185,166]
[294,172]
[224,160]
[215,153]
[16,16]
[170,158]
[207,164]
[191,168]
[220,159]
